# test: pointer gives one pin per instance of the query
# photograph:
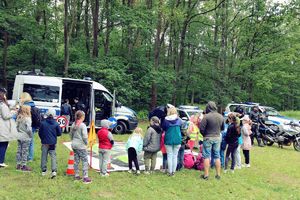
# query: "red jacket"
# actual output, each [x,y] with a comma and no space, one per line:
[104,141]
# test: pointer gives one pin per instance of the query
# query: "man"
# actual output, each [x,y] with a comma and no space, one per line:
[66,111]
[255,118]
[211,126]
[78,105]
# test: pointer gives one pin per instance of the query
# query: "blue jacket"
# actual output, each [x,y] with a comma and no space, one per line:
[49,130]
[171,126]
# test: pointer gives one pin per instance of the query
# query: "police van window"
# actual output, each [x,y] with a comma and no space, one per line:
[102,98]
[43,93]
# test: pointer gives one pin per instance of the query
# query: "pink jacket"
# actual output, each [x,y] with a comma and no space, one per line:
[246,132]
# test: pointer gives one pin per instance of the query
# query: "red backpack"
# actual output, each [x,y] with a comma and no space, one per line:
[189,160]
[199,163]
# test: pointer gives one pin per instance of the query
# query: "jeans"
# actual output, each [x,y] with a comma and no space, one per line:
[81,154]
[132,157]
[211,148]
[172,152]
[3,148]
[231,149]
[238,156]
[31,146]
[22,152]
[180,158]
[222,157]
[104,156]
[165,160]
[149,156]
[45,150]
[247,156]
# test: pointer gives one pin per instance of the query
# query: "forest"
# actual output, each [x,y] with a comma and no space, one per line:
[154,52]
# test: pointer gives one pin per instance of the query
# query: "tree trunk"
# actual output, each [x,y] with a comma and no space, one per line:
[108,27]
[4,61]
[86,26]
[66,40]
[95,29]
[156,55]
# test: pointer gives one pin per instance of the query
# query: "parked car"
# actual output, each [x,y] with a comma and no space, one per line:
[186,111]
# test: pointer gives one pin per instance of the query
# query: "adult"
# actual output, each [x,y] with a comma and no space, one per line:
[8,130]
[211,126]
[66,111]
[255,118]
[171,126]
[25,99]
[78,105]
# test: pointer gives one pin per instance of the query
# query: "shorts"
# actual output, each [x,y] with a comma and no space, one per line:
[211,146]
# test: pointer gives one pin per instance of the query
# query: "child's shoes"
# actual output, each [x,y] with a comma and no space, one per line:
[77,178]
[87,180]
[53,174]
[25,168]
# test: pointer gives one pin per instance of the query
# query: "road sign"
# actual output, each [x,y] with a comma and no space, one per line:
[62,121]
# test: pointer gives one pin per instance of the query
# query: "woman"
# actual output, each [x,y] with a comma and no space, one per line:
[171,126]
[8,130]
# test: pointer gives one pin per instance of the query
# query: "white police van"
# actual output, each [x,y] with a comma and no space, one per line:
[99,102]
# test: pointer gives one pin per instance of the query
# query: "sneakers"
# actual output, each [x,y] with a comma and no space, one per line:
[232,171]
[3,165]
[138,172]
[44,173]
[18,167]
[171,174]
[53,175]
[147,172]
[87,180]
[225,171]
[247,165]
[238,167]
[105,175]
[204,177]
[218,177]
[130,171]
[25,168]
[77,178]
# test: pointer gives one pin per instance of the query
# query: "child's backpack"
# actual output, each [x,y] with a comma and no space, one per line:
[35,117]
[188,160]
[199,163]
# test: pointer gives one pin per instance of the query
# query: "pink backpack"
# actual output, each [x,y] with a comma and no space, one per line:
[189,160]
[199,163]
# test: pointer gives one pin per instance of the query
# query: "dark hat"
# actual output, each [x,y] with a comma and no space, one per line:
[3,90]
[76,98]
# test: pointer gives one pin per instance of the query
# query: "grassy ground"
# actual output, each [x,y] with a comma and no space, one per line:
[291,113]
[274,174]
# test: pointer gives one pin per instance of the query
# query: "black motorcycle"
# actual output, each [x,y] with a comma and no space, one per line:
[283,136]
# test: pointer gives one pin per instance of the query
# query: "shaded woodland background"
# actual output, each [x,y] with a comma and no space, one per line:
[157,51]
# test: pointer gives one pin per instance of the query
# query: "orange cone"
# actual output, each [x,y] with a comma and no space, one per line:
[70,170]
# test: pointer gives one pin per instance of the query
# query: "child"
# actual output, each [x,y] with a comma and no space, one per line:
[246,132]
[24,138]
[151,144]
[79,139]
[49,131]
[106,142]
[233,133]
[164,153]
[193,131]
[134,146]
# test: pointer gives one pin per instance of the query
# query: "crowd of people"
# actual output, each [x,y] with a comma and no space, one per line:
[218,141]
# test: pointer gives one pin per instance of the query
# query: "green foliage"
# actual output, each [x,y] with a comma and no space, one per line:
[238,51]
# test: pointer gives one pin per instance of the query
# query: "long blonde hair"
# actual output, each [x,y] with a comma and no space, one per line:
[138,131]
[24,111]
[172,111]
[25,97]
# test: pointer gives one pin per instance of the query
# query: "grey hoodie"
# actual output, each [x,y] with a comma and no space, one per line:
[79,136]
[24,129]
[213,123]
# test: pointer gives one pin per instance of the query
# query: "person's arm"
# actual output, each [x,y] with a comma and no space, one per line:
[84,134]
[203,126]
[58,130]
[111,138]
[28,127]
[147,137]
[5,112]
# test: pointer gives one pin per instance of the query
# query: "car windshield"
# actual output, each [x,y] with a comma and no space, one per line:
[190,113]
[43,93]
[271,111]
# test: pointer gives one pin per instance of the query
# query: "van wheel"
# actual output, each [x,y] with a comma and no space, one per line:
[120,128]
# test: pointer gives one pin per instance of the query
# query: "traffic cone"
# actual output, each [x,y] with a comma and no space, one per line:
[70,170]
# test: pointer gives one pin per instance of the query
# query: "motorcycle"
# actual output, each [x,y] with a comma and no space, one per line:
[283,136]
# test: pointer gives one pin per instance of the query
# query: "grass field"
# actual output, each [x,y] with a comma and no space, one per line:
[274,174]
